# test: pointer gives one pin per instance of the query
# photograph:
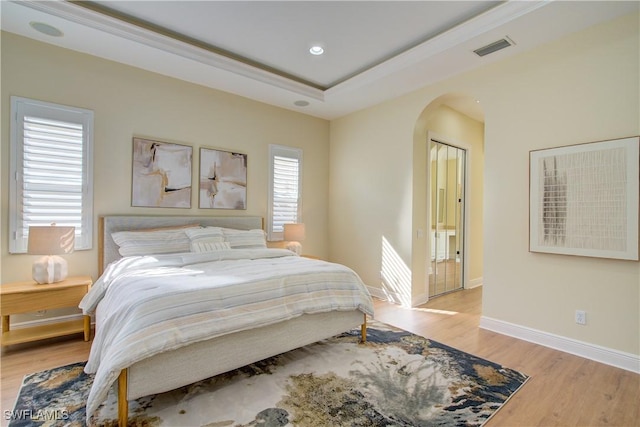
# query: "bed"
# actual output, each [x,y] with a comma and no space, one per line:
[167,362]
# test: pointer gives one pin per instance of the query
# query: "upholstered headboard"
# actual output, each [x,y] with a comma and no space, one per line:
[108,250]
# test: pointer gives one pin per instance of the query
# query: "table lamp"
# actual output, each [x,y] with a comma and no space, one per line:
[294,234]
[50,241]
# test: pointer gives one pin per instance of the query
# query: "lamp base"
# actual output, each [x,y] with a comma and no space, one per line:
[294,247]
[49,269]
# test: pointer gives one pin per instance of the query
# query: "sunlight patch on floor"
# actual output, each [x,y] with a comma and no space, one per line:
[434,311]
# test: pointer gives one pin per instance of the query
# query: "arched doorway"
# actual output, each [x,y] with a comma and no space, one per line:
[447,250]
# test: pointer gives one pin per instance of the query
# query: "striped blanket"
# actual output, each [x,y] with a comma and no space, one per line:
[152,304]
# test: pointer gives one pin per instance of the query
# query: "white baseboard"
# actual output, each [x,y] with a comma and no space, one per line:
[474,283]
[377,293]
[608,356]
[396,298]
[419,300]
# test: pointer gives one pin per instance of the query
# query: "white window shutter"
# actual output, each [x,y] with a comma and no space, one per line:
[285,189]
[51,170]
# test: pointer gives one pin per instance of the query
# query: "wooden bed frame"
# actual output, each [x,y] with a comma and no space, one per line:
[186,365]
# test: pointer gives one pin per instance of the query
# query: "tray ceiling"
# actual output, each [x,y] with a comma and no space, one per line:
[374,51]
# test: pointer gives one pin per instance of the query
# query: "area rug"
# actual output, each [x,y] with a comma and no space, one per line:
[395,379]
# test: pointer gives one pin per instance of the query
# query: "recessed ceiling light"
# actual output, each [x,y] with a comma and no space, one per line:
[301,103]
[46,29]
[316,50]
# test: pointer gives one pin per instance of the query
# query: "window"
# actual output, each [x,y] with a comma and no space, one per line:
[285,189]
[51,164]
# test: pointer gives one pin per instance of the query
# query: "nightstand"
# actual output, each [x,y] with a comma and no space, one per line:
[29,296]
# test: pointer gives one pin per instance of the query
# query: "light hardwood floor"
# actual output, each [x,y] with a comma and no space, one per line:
[564,390]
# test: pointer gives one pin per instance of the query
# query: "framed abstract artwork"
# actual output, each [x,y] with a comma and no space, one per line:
[223,179]
[584,199]
[161,174]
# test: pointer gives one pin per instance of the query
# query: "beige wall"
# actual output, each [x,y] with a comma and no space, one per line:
[371,194]
[129,101]
[582,88]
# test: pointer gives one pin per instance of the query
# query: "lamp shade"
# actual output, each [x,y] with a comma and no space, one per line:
[51,240]
[294,232]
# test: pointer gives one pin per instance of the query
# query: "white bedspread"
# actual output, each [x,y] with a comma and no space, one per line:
[152,304]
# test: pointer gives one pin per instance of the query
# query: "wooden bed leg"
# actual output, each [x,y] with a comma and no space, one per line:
[123,403]
[363,330]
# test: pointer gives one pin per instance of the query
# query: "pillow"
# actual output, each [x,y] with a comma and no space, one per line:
[153,241]
[245,239]
[209,246]
[206,239]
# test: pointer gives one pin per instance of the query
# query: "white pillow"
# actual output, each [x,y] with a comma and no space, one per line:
[206,239]
[245,239]
[209,247]
[153,241]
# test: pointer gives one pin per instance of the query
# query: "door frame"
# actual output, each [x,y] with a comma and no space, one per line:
[466,208]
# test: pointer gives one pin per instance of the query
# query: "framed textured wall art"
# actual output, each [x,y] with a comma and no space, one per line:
[223,179]
[161,174]
[584,199]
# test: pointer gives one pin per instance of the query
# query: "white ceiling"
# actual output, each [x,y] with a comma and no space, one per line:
[374,50]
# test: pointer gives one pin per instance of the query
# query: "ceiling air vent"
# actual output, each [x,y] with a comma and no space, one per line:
[493,47]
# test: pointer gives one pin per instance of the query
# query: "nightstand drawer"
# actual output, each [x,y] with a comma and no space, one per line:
[33,301]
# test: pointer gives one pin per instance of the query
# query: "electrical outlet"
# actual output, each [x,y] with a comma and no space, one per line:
[581,317]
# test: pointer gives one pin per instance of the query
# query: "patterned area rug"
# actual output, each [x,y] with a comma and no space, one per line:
[395,379]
